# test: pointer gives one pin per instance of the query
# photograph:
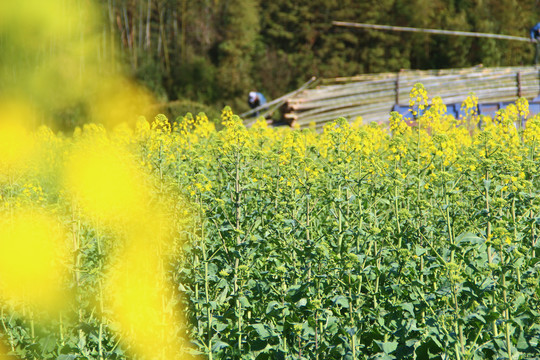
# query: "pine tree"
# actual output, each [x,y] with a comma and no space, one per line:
[240,31]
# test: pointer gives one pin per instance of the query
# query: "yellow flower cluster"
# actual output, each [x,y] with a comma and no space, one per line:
[163,172]
[418,99]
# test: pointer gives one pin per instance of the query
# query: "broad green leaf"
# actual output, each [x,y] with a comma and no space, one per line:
[409,308]
[387,347]
[341,301]
[244,301]
[261,330]
[66,357]
[219,345]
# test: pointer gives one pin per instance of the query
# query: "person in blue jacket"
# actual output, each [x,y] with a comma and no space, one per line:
[535,37]
[256,99]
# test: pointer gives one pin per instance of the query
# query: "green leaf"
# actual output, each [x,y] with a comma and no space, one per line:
[388,347]
[420,250]
[261,331]
[522,343]
[341,301]
[475,316]
[469,239]
[383,356]
[408,307]
[223,295]
[219,326]
[66,357]
[218,345]
[270,307]
[332,325]
[520,300]
[48,344]
[244,301]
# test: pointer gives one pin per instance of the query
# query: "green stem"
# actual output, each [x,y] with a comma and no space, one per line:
[340,225]
[449,222]
[237,194]
[100,340]
[206,282]
[518,272]
[458,326]
[488,235]
[351,317]
[376,291]
[9,333]
[396,210]
[100,295]
[76,229]
[62,341]
[505,302]
[32,328]
[308,234]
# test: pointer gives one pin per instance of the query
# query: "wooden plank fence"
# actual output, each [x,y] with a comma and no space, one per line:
[372,96]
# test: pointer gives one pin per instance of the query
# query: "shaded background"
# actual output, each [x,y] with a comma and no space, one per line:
[201,55]
[215,51]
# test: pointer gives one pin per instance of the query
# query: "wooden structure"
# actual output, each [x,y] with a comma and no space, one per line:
[373,96]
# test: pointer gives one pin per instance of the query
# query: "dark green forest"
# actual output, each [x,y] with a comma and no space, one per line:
[214,51]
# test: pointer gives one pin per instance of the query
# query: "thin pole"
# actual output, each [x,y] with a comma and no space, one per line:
[430,31]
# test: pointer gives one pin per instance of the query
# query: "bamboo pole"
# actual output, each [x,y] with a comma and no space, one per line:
[436,86]
[432,83]
[425,73]
[364,106]
[366,92]
[430,31]
[387,96]
[373,96]
[380,111]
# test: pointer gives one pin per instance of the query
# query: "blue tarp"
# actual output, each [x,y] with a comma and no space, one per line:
[483,109]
